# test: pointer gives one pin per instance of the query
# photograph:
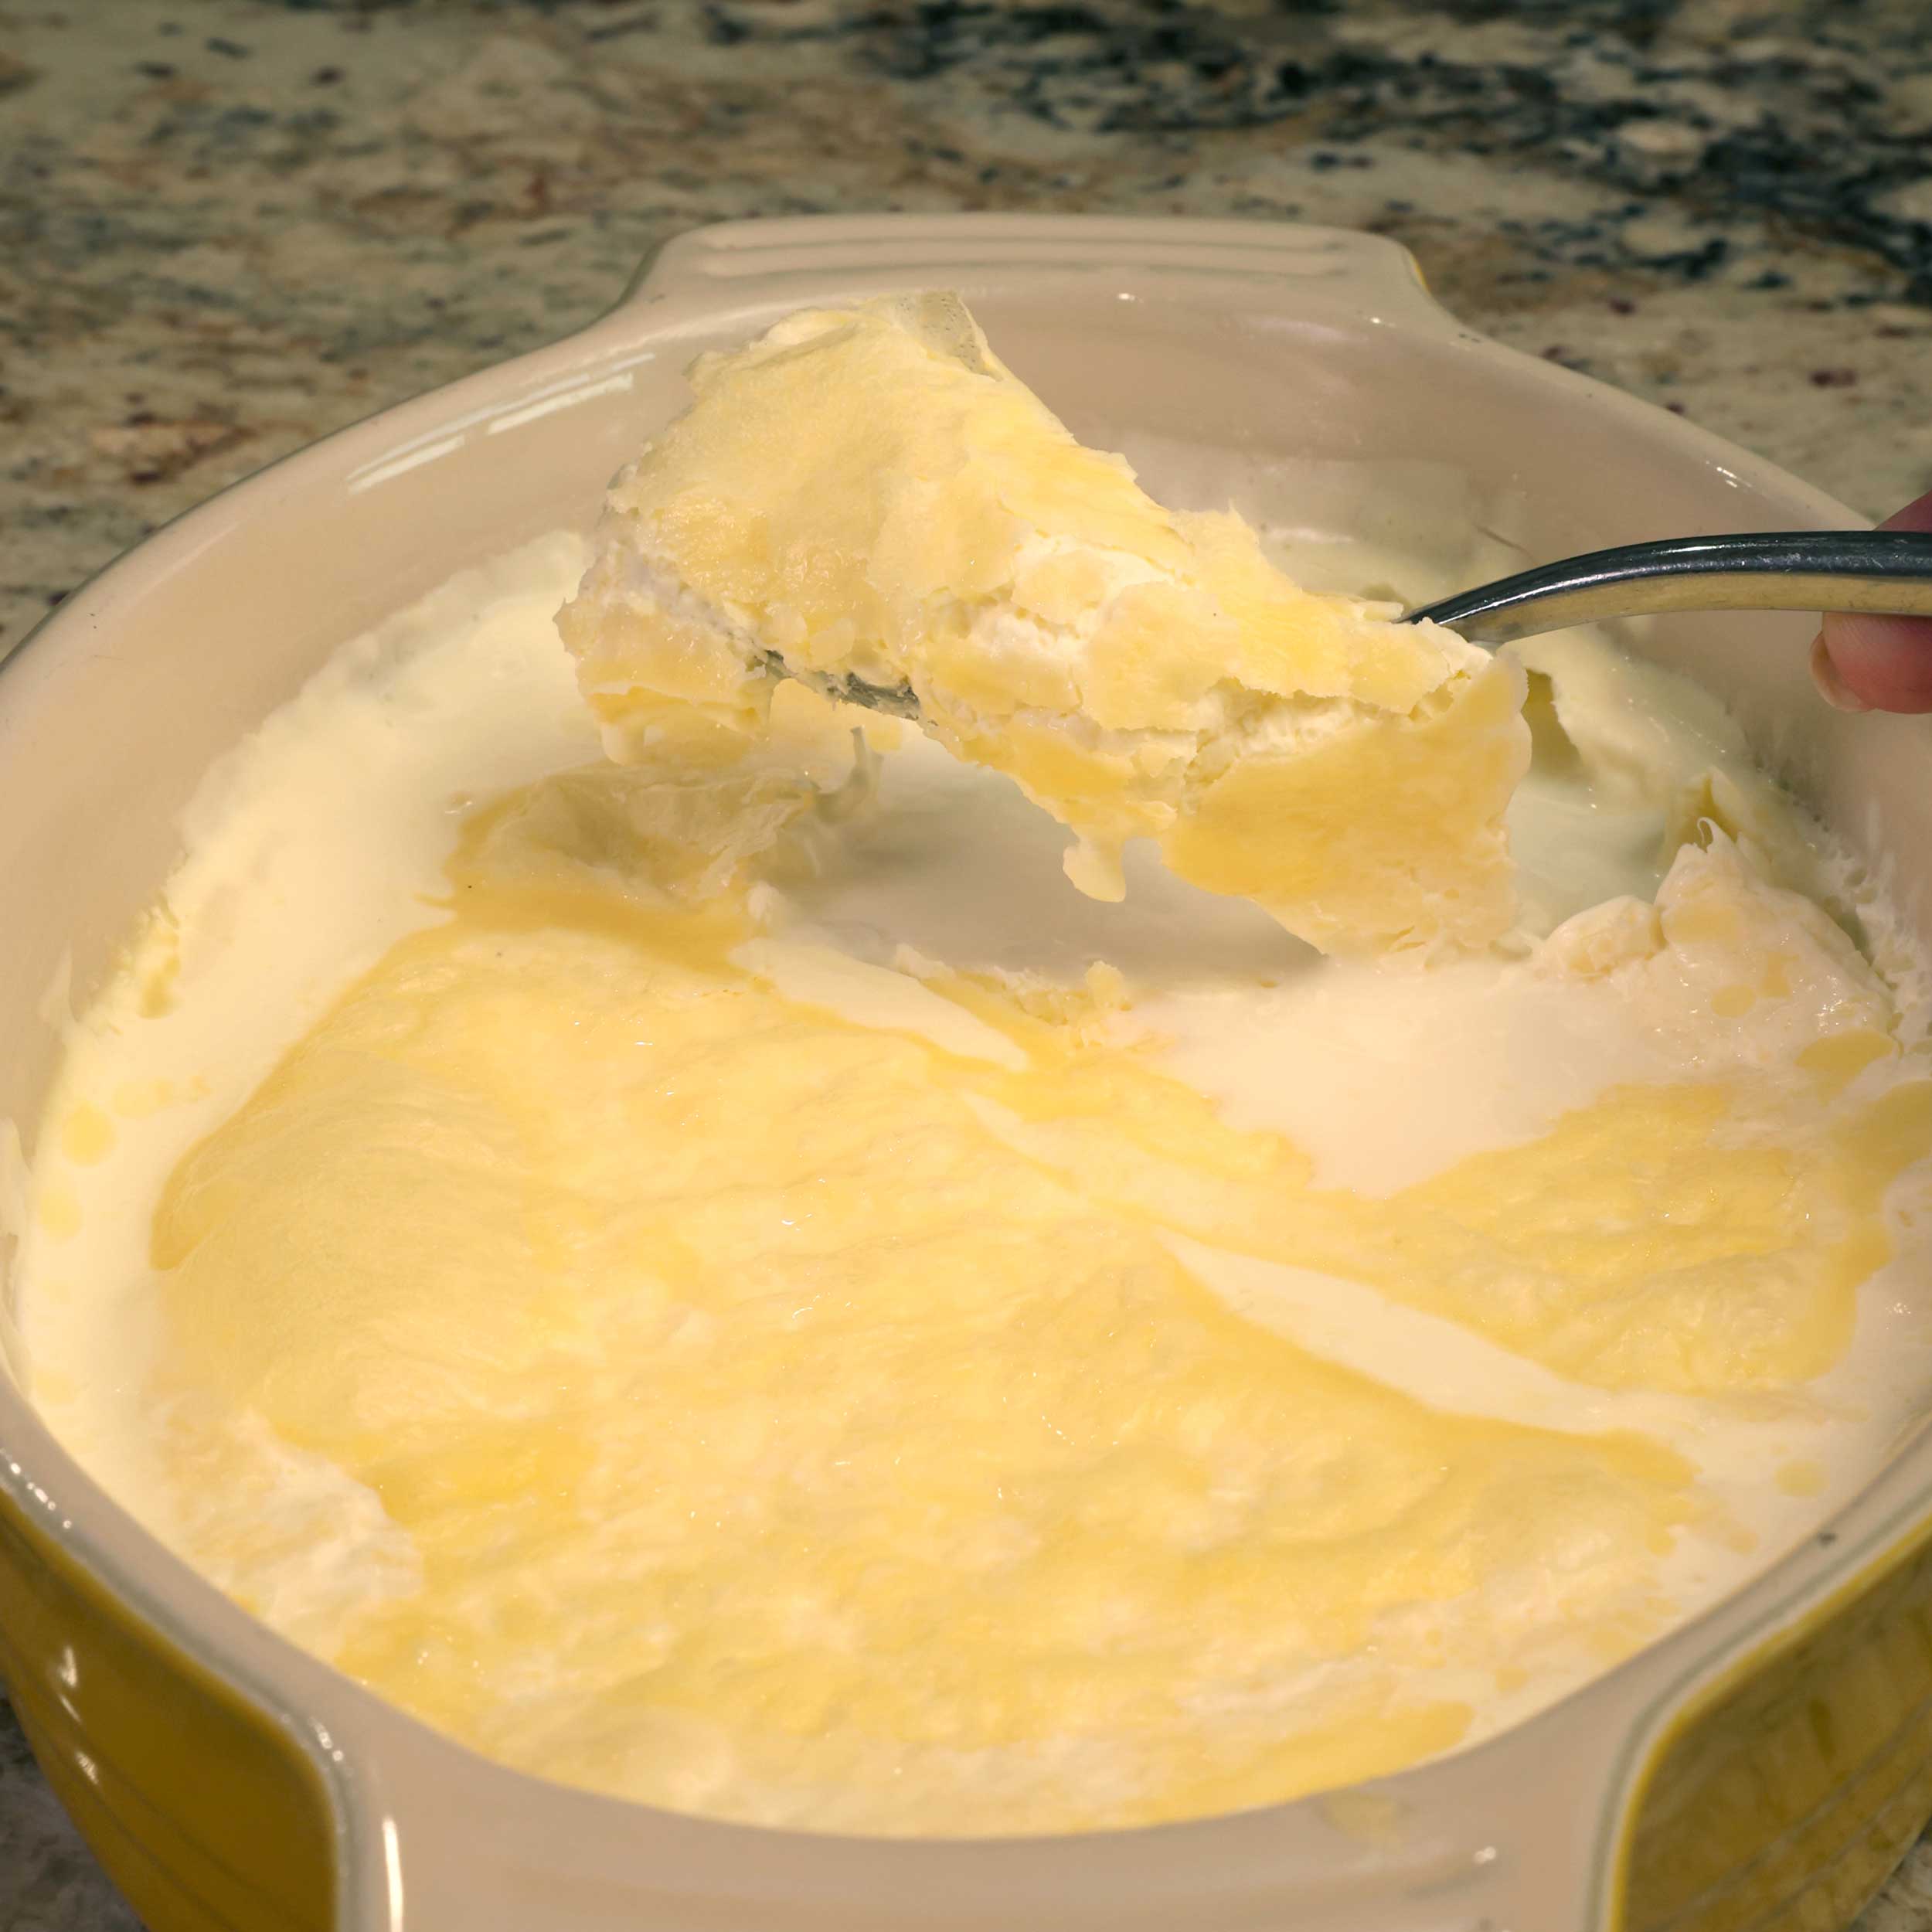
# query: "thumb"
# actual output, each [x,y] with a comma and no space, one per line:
[1866,663]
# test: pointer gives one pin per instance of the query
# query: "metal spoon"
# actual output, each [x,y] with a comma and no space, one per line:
[1878,570]
[1874,570]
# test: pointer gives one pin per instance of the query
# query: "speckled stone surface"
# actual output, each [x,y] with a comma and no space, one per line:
[227,227]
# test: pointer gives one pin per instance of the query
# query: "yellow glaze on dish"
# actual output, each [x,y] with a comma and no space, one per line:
[868,499]
[795,1420]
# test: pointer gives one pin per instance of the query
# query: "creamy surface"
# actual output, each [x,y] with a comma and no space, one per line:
[784,1309]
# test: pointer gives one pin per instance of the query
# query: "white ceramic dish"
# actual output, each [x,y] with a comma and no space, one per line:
[1763,1765]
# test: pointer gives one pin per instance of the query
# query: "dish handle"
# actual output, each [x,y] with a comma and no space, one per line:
[1522,1833]
[829,257]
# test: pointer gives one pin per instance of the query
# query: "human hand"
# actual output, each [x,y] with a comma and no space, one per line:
[1865,663]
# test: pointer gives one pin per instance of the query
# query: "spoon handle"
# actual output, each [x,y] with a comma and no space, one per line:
[1879,570]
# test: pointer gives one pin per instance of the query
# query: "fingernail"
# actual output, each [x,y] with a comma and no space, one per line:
[1830,687]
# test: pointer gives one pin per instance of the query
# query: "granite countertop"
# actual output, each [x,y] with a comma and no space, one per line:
[232,225]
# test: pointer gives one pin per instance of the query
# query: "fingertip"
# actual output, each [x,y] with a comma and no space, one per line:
[1866,663]
[1830,687]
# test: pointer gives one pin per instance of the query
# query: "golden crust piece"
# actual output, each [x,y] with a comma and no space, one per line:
[868,498]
